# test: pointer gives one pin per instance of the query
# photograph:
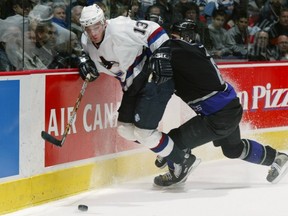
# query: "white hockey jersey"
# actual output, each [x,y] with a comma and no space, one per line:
[126,46]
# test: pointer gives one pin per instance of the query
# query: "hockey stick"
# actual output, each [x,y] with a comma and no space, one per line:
[52,139]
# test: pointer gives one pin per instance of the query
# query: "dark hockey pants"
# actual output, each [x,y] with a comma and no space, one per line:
[222,128]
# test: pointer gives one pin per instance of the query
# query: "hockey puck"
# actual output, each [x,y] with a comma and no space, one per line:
[82,207]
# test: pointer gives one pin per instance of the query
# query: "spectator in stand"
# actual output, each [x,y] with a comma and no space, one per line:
[168,14]
[135,12]
[118,8]
[253,13]
[253,26]
[202,4]
[46,42]
[67,54]
[230,10]
[279,28]
[50,38]
[70,6]
[270,12]
[154,14]
[5,63]
[229,6]
[21,9]
[192,13]
[219,35]
[181,6]
[131,10]
[31,59]
[13,44]
[260,50]
[145,4]
[59,14]
[122,11]
[44,13]
[75,24]
[281,49]
[39,15]
[238,36]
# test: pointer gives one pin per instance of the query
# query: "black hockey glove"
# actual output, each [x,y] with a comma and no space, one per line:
[160,66]
[87,66]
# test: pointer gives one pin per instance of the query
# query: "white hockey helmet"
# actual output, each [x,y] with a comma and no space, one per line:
[91,15]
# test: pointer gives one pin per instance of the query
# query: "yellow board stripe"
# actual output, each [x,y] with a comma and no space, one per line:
[276,139]
[27,192]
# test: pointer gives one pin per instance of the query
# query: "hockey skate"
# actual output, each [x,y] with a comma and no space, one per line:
[180,172]
[278,169]
[161,162]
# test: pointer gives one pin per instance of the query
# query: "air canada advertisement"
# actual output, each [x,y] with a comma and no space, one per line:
[263,92]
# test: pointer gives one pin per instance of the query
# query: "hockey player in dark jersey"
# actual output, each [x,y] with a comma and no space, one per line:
[198,82]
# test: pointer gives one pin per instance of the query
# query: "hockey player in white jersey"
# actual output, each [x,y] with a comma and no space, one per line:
[133,52]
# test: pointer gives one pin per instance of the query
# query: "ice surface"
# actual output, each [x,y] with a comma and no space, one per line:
[216,188]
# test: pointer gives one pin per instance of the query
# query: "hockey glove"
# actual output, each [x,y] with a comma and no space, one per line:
[87,66]
[160,66]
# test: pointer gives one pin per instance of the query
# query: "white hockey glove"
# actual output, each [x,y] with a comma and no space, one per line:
[87,66]
[160,66]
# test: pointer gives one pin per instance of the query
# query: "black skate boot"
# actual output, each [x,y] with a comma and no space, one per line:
[179,174]
[278,169]
[161,162]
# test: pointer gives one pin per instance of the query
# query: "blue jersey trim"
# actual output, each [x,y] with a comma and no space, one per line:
[214,103]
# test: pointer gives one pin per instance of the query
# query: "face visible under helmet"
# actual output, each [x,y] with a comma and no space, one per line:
[91,15]
[187,30]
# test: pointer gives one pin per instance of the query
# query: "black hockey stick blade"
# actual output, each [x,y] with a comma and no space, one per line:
[51,139]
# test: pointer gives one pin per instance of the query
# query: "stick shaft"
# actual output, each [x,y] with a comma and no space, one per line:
[52,139]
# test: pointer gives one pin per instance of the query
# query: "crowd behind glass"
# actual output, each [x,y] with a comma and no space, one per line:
[46,34]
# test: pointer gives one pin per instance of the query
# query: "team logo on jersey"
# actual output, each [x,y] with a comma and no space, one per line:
[107,64]
[137,118]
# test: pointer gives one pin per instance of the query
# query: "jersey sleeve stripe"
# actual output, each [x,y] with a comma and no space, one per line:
[155,36]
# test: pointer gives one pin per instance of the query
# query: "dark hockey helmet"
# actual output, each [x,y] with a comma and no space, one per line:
[186,29]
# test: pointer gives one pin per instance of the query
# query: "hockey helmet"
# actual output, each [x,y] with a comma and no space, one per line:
[91,15]
[186,25]
[186,29]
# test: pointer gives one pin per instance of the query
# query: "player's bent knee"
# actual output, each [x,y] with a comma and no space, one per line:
[142,134]
[126,130]
[149,138]
[232,151]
